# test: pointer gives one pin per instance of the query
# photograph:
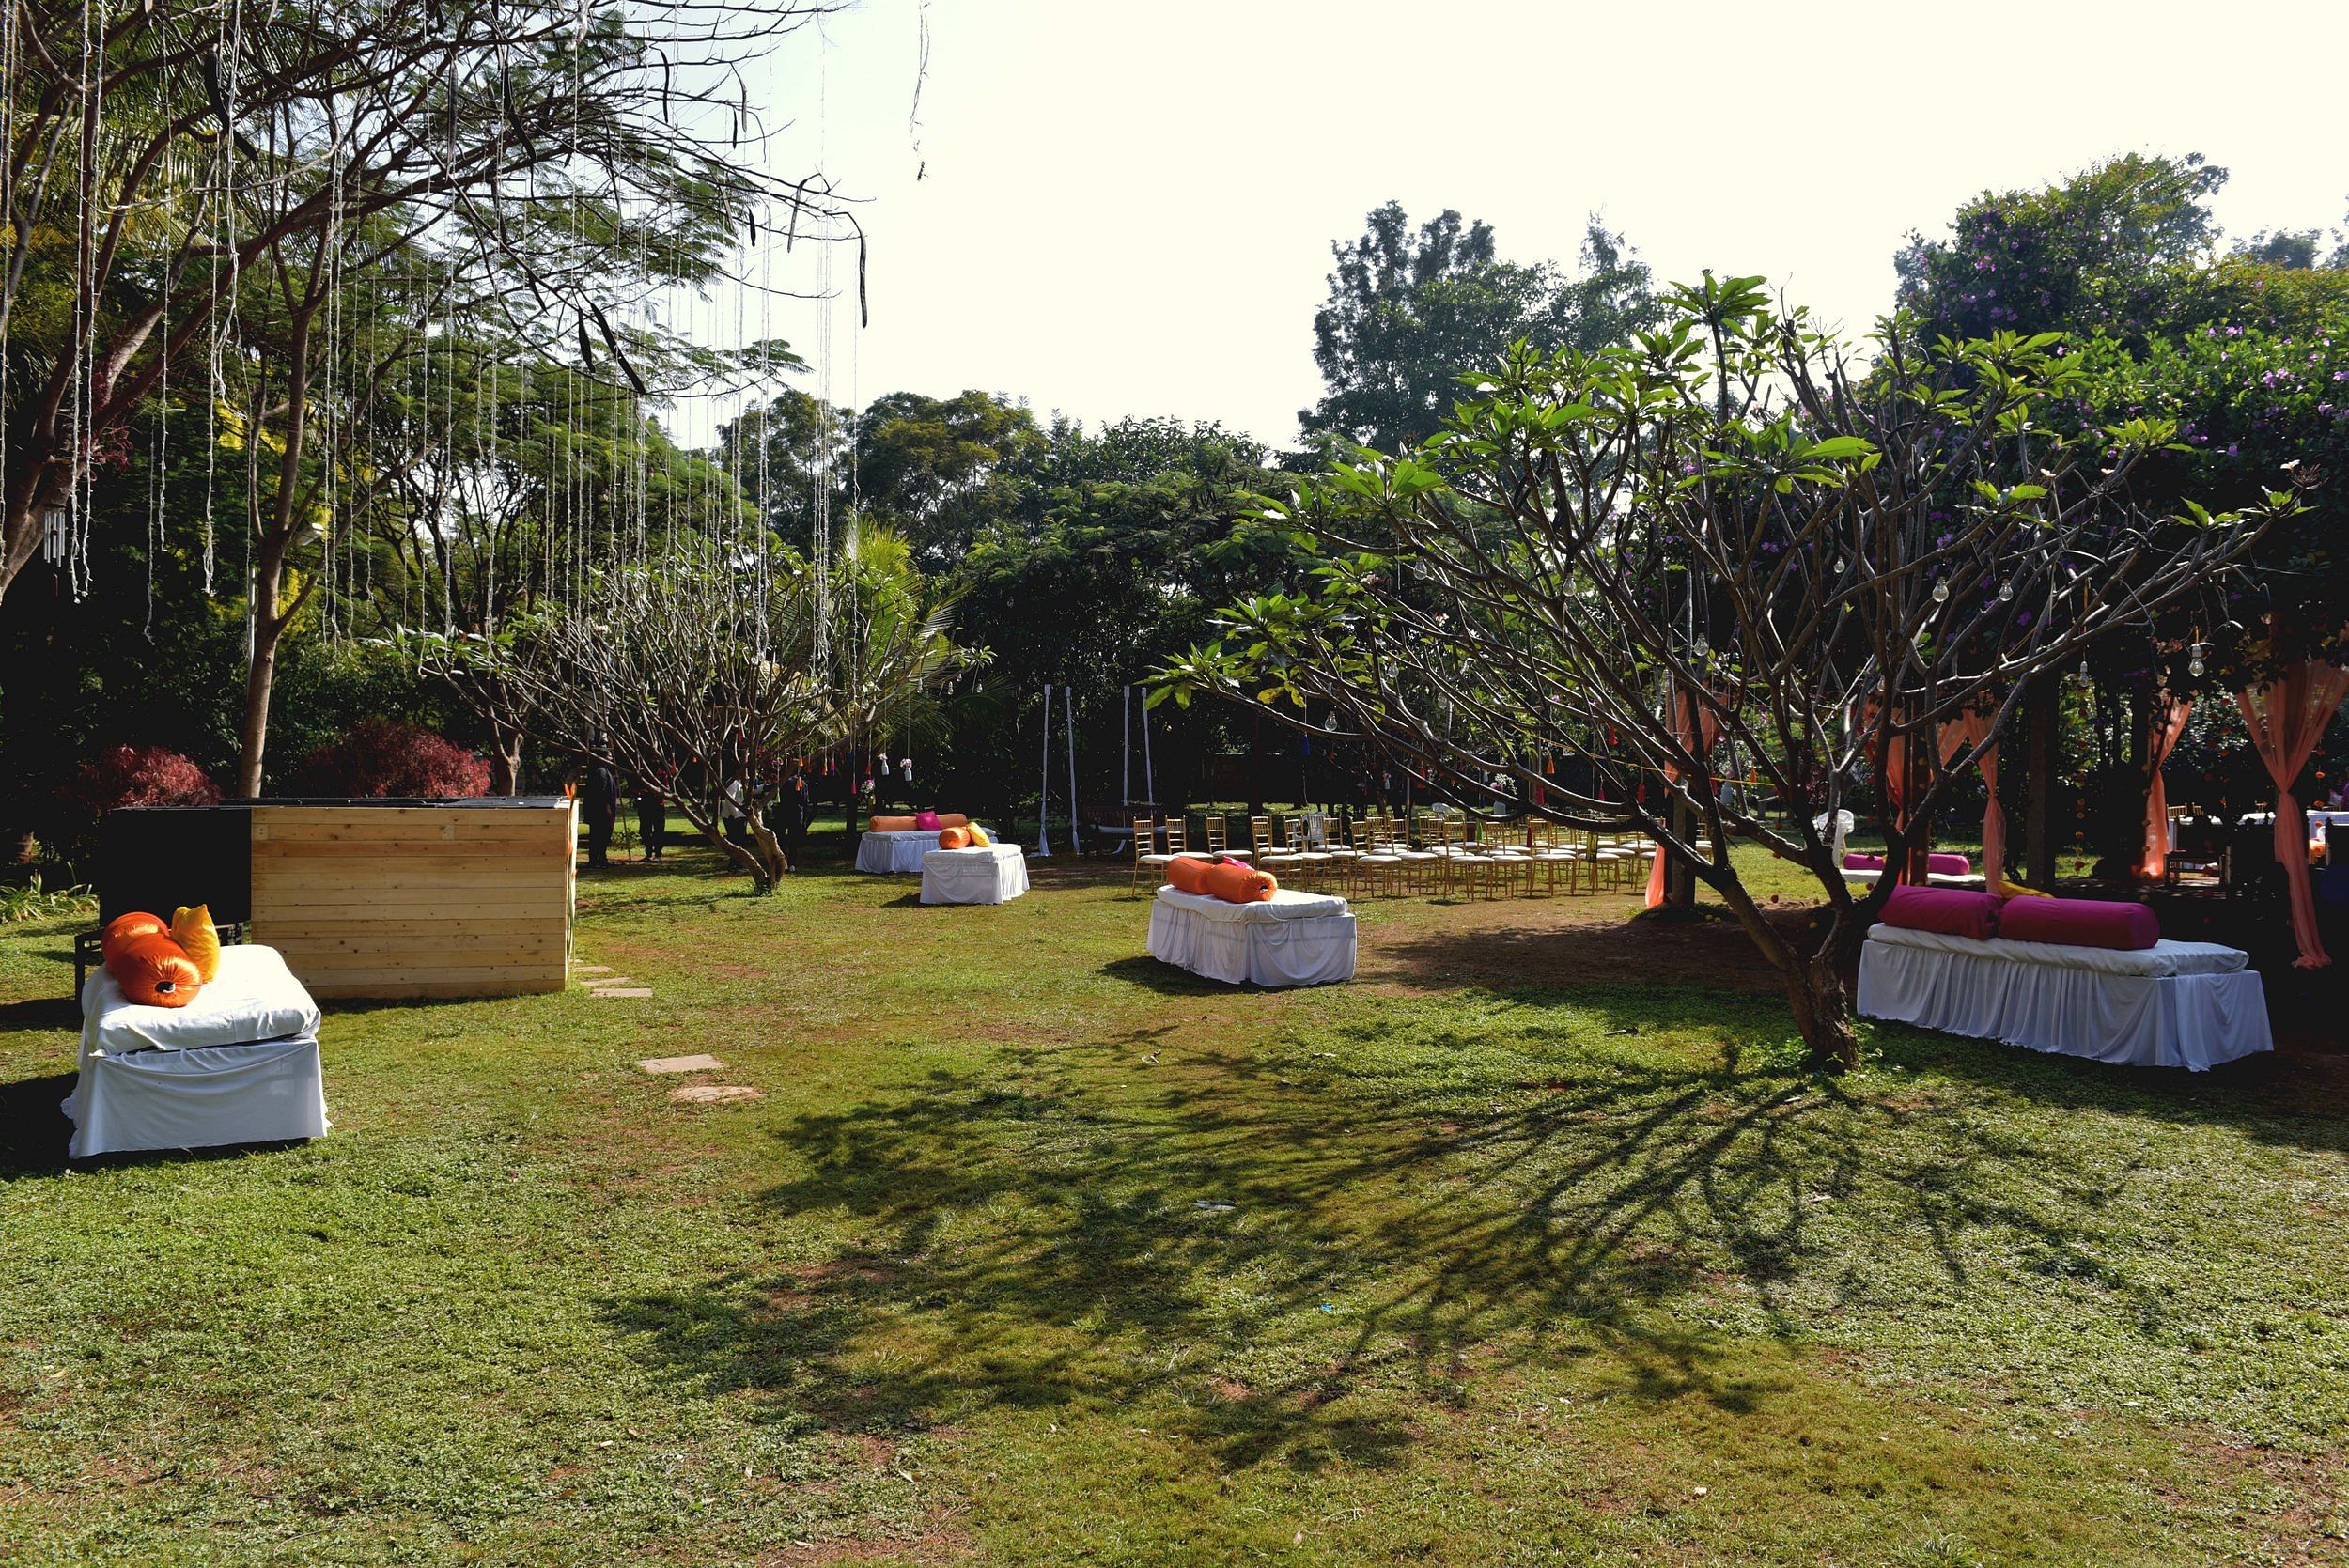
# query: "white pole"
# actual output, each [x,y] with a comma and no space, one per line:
[1076,844]
[1126,747]
[1044,793]
[1149,779]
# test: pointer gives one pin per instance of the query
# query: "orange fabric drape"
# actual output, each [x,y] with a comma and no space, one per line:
[2286,720]
[1710,727]
[2168,723]
[1961,733]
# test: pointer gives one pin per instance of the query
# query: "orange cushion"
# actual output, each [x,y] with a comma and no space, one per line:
[1187,872]
[953,819]
[1236,883]
[155,971]
[127,928]
[954,838]
[893,824]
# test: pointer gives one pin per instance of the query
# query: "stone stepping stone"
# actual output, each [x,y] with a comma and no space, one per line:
[594,981]
[621,991]
[714,1093]
[682,1064]
[591,969]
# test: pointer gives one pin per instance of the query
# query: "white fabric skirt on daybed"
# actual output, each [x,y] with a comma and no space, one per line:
[1975,882]
[2175,1004]
[1299,939]
[994,875]
[895,854]
[238,1065]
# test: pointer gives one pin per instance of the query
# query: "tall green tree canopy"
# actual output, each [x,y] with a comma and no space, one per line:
[1409,311]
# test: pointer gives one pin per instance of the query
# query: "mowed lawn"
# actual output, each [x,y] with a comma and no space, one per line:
[1535,1245]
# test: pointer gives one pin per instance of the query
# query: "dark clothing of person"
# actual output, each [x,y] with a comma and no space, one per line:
[600,803]
[652,822]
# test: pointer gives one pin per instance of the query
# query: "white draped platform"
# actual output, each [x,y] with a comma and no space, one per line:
[238,1065]
[995,874]
[2175,1004]
[897,854]
[1298,938]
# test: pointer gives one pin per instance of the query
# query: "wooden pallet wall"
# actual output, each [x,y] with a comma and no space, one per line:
[389,901]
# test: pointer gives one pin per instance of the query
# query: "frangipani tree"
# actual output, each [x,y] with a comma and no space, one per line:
[1728,532]
[689,672]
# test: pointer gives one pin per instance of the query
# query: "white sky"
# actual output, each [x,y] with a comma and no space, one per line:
[1127,208]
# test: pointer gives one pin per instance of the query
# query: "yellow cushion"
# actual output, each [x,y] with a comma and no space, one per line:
[980,838]
[193,930]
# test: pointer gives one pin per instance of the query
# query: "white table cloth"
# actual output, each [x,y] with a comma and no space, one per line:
[1298,938]
[897,854]
[238,1065]
[1975,881]
[995,874]
[198,1098]
[2175,1004]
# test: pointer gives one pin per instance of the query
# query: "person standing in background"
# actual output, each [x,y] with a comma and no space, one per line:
[600,803]
[652,815]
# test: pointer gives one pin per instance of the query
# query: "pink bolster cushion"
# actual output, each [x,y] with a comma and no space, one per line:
[1938,865]
[1952,911]
[925,820]
[2080,922]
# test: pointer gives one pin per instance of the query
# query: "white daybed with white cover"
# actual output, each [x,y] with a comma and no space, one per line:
[896,853]
[1297,938]
[996,874]
[2174,1005]
[238,1065]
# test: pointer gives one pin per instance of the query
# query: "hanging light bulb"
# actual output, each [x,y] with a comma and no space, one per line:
[2006,592]
[1941,592]
[2194,662]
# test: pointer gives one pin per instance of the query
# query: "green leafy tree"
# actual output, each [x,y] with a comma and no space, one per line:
[941,471]
[1409,311]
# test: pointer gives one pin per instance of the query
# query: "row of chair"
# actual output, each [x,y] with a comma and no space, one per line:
[1412,853]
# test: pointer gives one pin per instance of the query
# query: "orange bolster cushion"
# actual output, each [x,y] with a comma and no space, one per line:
[155,971]
[954,838]
[893,824]
[953,819]
[1236,883]
[124,929]
[1188,873]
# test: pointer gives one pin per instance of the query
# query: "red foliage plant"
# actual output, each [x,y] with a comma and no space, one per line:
[378,757]
[139,776]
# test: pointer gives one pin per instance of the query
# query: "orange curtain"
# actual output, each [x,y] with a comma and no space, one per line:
[2286,720]
[2168,723]
[1710,727]
[1969,730]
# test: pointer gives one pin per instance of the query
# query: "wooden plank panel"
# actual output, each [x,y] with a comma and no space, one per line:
[400,974]
[463,950]
[431,852]
[408,906]
[411,990]
[357,886]
[292,925]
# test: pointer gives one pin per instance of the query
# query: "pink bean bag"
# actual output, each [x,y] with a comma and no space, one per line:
[2080,922]
[1952,911]
[1936,864]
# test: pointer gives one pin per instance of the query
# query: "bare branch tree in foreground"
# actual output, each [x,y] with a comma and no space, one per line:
[1723,531]
[682,674]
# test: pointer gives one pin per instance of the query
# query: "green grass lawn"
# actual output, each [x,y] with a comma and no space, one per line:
[1535,1245]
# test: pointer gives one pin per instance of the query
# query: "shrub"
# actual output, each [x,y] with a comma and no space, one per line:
[378,757]
[138,776]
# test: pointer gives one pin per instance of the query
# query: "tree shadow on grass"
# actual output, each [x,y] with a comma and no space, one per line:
[1020,1245]
[1156,974]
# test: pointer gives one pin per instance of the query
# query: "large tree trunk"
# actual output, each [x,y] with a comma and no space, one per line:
[2040,713]
[253,736]
[1818,983]
[506,759]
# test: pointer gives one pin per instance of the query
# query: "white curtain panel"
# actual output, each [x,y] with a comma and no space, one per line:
[2177,1005]
[198,1098]
[1296,940]
[995,874]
